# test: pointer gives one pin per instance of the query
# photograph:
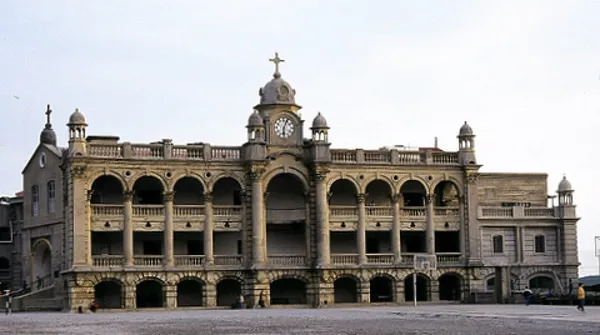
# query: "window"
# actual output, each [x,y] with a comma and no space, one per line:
[498,244]
[35,200]
[490,284]
[5,235]
[4,263]
[51,196]
[540,244]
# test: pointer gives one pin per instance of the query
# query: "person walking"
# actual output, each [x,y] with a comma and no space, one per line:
[527,294]
[580,297]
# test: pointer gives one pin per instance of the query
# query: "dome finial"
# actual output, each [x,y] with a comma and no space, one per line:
[276,60]
[48,112]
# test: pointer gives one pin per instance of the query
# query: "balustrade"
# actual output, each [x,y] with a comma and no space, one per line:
[105,150]
[380,258]
[379,211]
[448,258]
[444,157]
[152,151]
[228,260]
[343,211]
[148,210]
[418,212]
[5,273]
[344,259]
[187,152]
[227,210]
[539,212]
[488,212]
[148,261]
[446,211]
[188,210]
[108,260]
[107,210]
[189,260]
[290,260]
[225,153]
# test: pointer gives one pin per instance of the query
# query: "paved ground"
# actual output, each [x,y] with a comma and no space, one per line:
[423,320]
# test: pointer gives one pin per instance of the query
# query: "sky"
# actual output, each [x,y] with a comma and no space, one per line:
[524,74]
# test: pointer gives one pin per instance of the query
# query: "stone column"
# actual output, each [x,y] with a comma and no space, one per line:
[128,228]
[472,230]
[518,243]
[361,233]
[169,259]
[88,204]
[258,238]
[307,230]
[396,229]
[462,227]
[170,296]
[323,243]
[208,234]
[430,230]
[522,237]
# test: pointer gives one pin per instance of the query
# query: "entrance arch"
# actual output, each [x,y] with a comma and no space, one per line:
[150,294]
[345,290]
[288,291]
[189,293]
[423,293]
[382,289]
[541,282]
[450,287]
[228,292]
[109,294]
[41,263]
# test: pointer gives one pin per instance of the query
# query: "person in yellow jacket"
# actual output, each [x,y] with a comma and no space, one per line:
[580,297]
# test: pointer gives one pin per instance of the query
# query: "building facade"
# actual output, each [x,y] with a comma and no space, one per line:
[284,218]
[11,222]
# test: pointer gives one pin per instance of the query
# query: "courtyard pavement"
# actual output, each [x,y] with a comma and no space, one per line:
[422,320]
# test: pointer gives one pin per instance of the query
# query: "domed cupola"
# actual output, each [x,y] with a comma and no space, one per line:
[466,145]
[48,136]
[277,91]
[255,120]
[320,129]
[565,185]
[465,130]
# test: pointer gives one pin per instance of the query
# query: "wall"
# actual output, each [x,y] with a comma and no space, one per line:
[508,256]
[529,245]
[284,240]
[495,188]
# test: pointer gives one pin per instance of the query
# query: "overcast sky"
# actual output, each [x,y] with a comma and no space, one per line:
[524,74]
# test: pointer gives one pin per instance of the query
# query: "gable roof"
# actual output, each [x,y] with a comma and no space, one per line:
[52,149]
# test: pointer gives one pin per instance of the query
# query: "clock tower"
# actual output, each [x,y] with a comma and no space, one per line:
[278,109]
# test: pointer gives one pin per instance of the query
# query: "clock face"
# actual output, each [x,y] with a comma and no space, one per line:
[284,127]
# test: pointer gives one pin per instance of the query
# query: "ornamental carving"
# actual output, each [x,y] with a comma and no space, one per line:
[208,197]
[255,173]
[429,198]
[361,198]
[397,198]
[472,178]
[128,195]
[78,171]
[168,196]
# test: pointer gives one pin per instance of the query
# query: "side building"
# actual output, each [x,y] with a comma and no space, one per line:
[283,217]
[11,222]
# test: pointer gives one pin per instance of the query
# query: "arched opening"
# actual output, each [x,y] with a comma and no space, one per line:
[447,205]
[189,293]
[541,283]
[107,189]
[345,290]
[227,203]
[148,190]
[450,287]
[379,206]
[188,191]
[4,263]
[382,289]
[413,194]
[286,215]
[413,205]
[228,292]
[446,194]
[42,264]
[288,291]
[149,294]
[344,213]
[422,288]
[109,294]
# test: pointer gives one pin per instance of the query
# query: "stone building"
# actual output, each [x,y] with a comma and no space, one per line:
[11,221]
[283,217]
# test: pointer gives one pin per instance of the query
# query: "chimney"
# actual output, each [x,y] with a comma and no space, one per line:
[435,142]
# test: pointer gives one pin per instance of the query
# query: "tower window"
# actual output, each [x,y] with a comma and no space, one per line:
[35,200]
[51,189]
[498,244]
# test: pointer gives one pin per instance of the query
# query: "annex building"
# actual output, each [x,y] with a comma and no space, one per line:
[284,217]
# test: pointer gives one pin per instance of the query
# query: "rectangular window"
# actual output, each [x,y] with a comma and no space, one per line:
[540,244]
[5,234]
[239,247]
[51,196]
[35,200]
[498,244]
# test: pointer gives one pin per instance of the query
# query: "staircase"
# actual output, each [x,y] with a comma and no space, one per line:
[38,301]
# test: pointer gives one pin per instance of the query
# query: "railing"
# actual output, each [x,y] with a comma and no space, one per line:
[187,152]
[444,157]
[152,151]
[188,210]
[489,212]
[148,210]
[290,260]
[539,212]
[225,153]
[446,211]
[5,273]
[105,150]
[189,260]
[227,210]
[448,258]
[380,258]
[343,211]
[148,261]
[228,260]
[377,156]
[344,259]
[107,260]
[418,212]
[43,281]
[343,156]
[379,211]
[393,156]
[164,150]
[407,157]
[107,210]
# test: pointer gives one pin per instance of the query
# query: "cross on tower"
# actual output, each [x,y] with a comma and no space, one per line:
[276,60]
[48,112]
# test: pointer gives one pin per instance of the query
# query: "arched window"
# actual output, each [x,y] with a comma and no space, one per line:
[498,244]
[35,200]
[540,244]
[51,196]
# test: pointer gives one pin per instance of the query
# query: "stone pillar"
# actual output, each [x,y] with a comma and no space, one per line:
[518,243]
[210,295]
[258,238]
[396,250]
[361,233]
[472,229]
[129,297]
[323,242]
[208,234]
[88,221]
[365,292]
[462,236]
[430,229]
[434,293]
[170,296]
[307,230]
[128,228]
[169,259]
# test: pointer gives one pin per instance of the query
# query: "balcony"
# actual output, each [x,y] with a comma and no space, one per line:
[393,157]
[189,261]
[287,260]
[107,261]
[188,211]
[344,259]
[384,259]
[148,211]
[448,259]
[164,150]
[147,261]
[228,260]
[515,212]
